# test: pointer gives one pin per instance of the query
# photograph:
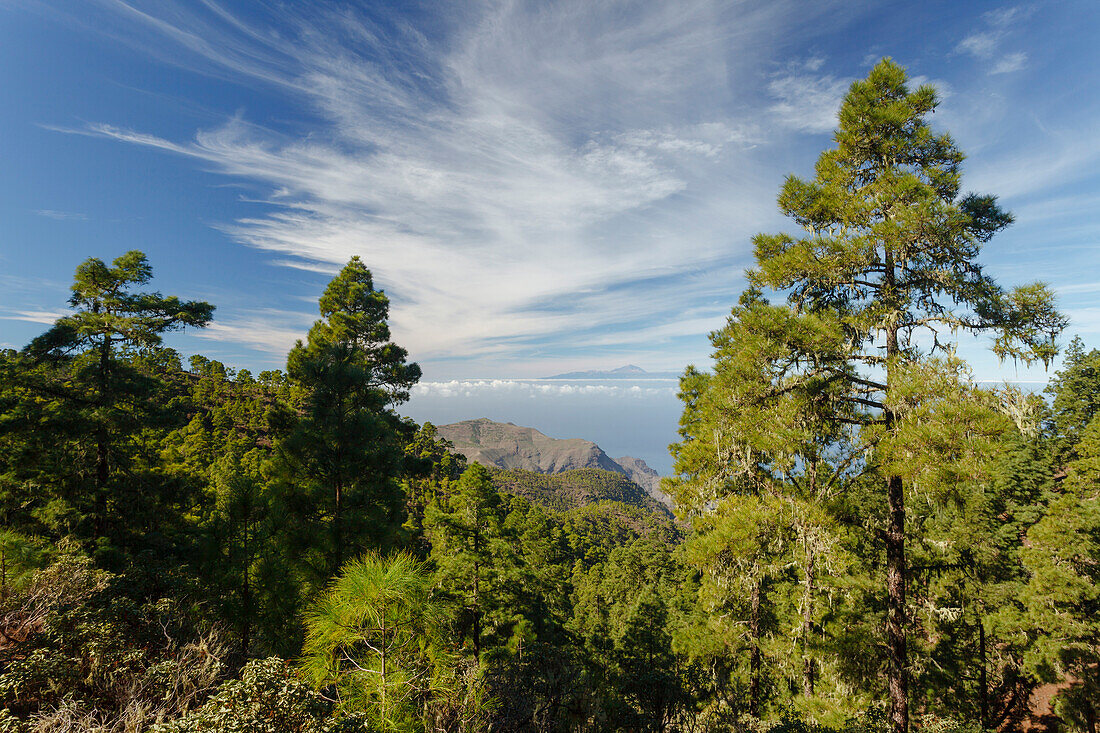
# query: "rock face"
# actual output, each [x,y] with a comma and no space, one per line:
[645,477]
[512,447]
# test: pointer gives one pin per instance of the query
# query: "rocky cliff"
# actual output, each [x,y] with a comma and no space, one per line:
[513,447]
[645,477]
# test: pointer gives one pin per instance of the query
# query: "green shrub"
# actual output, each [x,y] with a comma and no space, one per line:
[269,697]
[871,721]
[79,653]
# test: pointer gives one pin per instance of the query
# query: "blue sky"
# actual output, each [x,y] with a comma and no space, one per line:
[539,186]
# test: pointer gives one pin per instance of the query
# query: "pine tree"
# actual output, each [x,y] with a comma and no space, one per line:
[761,439]
[240,534]
[371,641]
[646,673]
[743,549]
[1075,399]
[1062,596]
[342,460]
[431,468]
[621,616]
[473,556]
[969,581]
[888,257]
[87,365]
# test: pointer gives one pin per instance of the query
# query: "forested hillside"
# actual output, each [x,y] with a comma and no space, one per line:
[866,539]
[577,488]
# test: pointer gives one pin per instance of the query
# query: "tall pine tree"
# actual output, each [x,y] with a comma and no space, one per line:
[90,392]
[473,556]
[341,463]
[888,257]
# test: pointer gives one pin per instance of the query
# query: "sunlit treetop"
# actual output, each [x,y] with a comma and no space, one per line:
[889,245]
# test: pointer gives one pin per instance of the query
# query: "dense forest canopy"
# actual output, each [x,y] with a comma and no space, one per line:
[865,539]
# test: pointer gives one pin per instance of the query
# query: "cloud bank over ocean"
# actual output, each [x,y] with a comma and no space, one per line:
[633,418]
[538,388]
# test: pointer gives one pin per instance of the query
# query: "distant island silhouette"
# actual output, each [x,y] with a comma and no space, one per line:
[630,371]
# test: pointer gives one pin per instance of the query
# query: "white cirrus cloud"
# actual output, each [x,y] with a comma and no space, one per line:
[46,317]
[496,180]
[266,329]
[986,42]
[805,100]
[1084,320]
[1009,63]
[61,215]
[533,388]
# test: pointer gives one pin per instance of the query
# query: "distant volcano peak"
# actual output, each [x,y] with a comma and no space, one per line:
[630,371]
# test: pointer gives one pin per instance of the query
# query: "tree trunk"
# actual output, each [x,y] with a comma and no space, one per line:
[337,528]
[808,667]
[898,675]
[246,630]
[754,656]
[382,654]
[103,466]
[246,601]
[897,682]
[983,679]
[477,610]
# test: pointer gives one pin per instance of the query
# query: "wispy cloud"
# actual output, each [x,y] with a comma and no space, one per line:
[1059,157]
[30,285]
[540,156]
[270,330]
[1090,287]
[981,44]
[34,316]
[61,215]
[1084,320]
[577,179]
[1009,63]
[986,42]
[806,100]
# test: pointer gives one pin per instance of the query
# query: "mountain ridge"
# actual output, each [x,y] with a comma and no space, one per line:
[514,447]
